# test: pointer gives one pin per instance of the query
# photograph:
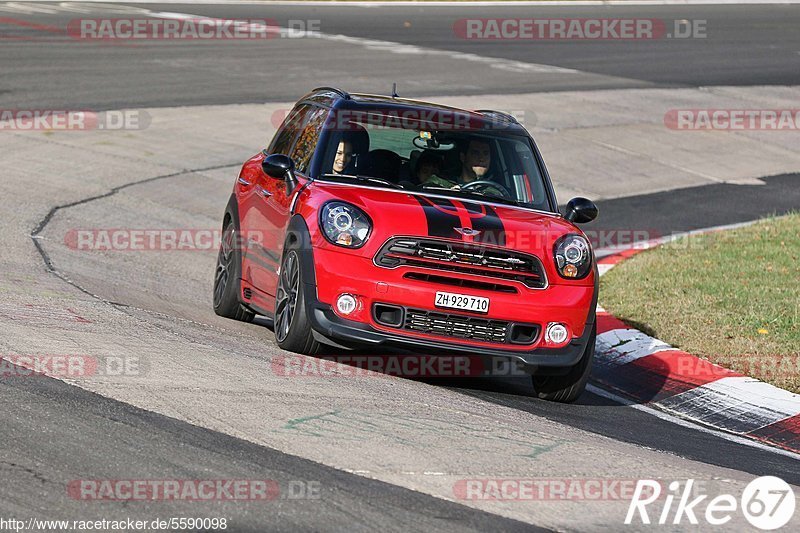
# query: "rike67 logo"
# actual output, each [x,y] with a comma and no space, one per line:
[767,503]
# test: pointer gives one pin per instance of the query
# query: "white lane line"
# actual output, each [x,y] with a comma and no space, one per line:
[688,424]
[621,346]
[508,65]
[493,62]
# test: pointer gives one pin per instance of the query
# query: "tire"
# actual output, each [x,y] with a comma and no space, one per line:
[570,386]
[292,327]
[227,276]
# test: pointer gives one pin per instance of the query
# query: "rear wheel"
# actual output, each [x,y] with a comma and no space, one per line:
[568,387]
[292,327]
[227,277]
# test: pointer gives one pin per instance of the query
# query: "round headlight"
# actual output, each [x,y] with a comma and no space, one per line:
[573,253]
[344,224]
[573,256]
[341,218]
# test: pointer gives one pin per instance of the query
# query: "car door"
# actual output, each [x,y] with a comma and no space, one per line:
[255,191]
[271,201]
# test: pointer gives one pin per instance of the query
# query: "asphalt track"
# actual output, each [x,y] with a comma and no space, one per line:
[745,45]
[78,428]
[54,432]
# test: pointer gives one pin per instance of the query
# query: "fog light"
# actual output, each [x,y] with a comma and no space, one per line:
[346,304]
[556,333]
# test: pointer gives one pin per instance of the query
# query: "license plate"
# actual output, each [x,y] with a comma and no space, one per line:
[464,302]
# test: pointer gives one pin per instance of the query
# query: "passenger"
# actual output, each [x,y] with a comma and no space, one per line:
[344,153]
[353,144]
[429,166]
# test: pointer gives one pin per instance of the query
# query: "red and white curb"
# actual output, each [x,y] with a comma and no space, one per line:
[651,372]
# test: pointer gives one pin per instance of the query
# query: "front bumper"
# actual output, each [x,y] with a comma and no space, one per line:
[336,272]
[328,326]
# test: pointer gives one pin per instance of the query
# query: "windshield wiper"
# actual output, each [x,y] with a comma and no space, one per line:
[361,177]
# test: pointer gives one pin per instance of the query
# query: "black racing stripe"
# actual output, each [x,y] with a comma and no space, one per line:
[444,203]
[442,217]
[473,208]
[486,220]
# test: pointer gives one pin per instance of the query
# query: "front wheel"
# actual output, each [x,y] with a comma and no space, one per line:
[568,387]
[292,327]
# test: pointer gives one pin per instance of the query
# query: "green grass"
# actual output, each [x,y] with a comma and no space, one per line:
[731,297]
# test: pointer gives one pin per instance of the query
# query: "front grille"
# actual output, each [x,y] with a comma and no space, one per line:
[463,327]
[465,258]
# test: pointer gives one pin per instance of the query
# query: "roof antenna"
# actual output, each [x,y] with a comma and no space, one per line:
[394,90]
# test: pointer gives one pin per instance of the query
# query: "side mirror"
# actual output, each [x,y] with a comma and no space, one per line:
[280,166]
[580,210]
[277,166]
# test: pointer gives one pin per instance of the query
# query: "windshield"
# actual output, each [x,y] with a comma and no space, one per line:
[480,164]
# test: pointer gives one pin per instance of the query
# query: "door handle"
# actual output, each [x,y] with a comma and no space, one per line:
[244,182]
[263,192]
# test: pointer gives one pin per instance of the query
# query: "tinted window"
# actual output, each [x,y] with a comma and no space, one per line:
[307,140]
[284,140]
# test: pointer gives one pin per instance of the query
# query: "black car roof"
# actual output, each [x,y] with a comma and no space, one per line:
[339,99]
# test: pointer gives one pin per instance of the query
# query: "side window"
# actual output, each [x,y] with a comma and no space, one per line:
[284,140]
[526,171]
[307,141]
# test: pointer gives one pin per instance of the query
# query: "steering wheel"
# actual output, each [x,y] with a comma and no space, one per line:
[485,184]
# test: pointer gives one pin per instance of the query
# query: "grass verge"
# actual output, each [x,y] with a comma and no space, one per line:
[732,297]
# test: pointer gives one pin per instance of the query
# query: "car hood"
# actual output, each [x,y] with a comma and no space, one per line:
[403,213]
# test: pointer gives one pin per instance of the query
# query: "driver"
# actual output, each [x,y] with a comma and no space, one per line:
[476,158]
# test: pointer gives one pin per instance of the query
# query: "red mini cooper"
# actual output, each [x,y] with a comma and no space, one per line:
[375,221]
